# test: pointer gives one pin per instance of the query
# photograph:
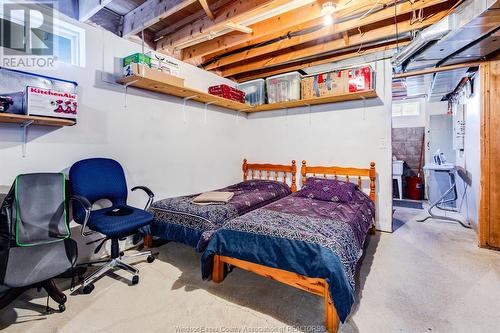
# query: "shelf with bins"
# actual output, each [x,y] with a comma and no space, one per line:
[141,82]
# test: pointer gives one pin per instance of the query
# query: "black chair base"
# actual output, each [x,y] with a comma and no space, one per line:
[50,287]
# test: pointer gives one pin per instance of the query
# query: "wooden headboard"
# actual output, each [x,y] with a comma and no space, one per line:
[348,173]
[256,170]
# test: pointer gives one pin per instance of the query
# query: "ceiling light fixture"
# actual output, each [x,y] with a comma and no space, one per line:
[327,9]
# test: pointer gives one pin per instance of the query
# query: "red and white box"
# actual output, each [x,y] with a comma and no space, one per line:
[51,103]
[360,79]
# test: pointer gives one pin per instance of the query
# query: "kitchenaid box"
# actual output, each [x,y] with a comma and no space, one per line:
[51,103]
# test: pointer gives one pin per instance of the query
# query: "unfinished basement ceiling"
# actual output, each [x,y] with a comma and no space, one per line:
[244,40]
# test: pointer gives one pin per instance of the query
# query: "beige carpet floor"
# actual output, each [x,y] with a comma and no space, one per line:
[424,277]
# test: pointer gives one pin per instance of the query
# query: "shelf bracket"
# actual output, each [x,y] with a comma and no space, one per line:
[126,85]
[185,100]
[24,135]
[206,109]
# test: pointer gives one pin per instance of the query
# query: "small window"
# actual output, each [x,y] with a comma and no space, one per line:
[407,109]
[67,39]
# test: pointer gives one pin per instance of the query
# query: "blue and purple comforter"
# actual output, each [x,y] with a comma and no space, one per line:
[320,239]
[177,219]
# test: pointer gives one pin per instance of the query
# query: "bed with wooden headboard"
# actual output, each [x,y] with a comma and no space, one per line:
[178,219]
[268,242]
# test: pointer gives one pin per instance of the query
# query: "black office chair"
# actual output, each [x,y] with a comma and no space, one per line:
[34,237]
[101,178]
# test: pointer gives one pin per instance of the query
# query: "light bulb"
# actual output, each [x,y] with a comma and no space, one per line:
[328,20]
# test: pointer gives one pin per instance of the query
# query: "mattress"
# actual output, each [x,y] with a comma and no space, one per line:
[314,238]
[178,219]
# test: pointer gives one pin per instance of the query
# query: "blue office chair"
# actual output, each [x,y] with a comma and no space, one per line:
[101,178]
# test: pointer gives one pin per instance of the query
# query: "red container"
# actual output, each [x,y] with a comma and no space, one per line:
[227,92]
[414,188]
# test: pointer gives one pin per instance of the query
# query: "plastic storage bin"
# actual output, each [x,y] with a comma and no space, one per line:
[283,87]
[255,92]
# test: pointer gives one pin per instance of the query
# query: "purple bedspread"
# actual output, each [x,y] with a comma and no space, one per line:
[315,238]
[205,220]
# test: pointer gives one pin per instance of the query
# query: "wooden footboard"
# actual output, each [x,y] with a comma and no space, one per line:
[315,286]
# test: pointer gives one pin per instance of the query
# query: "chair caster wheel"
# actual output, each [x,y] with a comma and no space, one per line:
[88,289]
[135,279]
[62,307]
[151,258]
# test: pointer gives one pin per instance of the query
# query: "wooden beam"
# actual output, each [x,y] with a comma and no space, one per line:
[343,27]
[238,12]
[239,27]
[207,9]
[366,36]
[324,60]
[302,18]
[89,8]
[437,69]
[151,12]
[185,21]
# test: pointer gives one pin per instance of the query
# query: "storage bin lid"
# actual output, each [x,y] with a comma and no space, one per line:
[251,82]
[284,75]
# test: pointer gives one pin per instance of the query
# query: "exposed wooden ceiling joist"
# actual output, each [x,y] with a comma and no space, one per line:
[320,61]
[161,34]
[207,9]
[88,8]
[303,18]
[237,12]
[365,35]
[323,32]
[151,12]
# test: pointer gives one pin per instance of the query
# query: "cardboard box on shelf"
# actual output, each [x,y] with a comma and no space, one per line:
[51,103]
[153,74]
[162,63]
[325,84]
[136,58]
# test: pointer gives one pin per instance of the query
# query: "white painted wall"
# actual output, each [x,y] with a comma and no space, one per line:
[470,157]
[346,134]
[177,153]
[158,145]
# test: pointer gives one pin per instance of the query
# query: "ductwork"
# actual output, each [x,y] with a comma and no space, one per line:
[468,23]
[470,33]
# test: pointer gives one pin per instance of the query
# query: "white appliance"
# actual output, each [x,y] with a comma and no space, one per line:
[397,174]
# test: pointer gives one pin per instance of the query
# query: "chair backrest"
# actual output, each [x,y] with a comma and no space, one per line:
[96,179]
[36,206]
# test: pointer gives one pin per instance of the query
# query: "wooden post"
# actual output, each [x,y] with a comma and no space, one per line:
[372,181]
[294,176]
[148,241]
[218,270]
[331,318]
[245,169]
[303,172]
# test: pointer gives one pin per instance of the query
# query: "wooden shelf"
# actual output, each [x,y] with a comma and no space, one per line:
[146,83]
[184,92]
[36,120]
[316,101]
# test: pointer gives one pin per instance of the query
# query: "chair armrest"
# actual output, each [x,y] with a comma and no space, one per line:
[87,207]
[148,192]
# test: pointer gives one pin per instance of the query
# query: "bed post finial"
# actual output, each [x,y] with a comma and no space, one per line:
[245,169]
[372,181]
[294,176]
[303,172]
